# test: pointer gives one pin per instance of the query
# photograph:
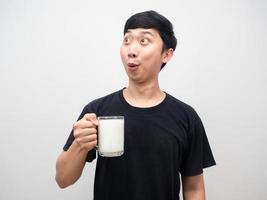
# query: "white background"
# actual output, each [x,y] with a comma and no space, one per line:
[58,55]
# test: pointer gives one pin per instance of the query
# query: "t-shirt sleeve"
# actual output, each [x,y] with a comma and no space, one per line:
[91,154]
[198,154]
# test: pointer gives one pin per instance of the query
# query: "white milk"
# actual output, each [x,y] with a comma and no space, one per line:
[111,136]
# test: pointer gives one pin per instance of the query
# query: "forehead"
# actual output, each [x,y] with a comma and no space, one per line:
[142,31]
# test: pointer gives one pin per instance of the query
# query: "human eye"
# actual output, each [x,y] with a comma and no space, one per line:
[144,41]
[126,40]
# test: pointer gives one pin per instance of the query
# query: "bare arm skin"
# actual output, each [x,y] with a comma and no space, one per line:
[193,187]
[70,164]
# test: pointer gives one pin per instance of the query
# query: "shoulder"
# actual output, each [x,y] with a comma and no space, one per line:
[186,114]
[181,107]
[94,105]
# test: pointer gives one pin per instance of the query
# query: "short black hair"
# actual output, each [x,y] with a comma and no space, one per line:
[152,19]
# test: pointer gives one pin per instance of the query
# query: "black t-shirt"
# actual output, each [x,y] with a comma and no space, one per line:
[161,142]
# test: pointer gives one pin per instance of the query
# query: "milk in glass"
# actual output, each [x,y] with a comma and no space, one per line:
[110,135]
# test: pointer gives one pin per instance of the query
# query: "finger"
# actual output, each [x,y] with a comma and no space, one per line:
[90,138]
[91,117]
[90,145]
[86,131]
[87,139]
[83,123]
[78,133]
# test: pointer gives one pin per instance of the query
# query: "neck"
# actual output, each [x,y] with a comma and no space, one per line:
[143,95]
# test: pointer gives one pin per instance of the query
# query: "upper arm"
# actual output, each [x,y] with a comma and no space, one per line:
[193,182]
[193,187]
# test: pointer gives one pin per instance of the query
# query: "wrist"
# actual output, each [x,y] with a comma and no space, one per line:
[77,147]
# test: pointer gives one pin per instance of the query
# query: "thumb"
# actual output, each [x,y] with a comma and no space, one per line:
[91,117]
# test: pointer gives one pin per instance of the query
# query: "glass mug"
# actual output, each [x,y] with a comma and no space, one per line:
[110,136]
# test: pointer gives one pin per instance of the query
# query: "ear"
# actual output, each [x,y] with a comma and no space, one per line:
[167,55]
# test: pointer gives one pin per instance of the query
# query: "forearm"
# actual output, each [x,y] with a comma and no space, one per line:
[193,187]
[194,195]
[69,165]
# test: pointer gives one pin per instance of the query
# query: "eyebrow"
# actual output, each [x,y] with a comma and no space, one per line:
[142,32]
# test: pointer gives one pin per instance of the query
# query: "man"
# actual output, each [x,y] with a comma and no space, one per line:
[164,137]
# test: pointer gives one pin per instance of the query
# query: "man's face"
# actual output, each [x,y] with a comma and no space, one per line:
[141,54]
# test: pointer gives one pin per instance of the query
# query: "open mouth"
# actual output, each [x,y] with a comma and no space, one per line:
[132,66]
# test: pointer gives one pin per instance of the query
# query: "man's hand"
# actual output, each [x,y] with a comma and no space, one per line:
[71,163]
[84,132]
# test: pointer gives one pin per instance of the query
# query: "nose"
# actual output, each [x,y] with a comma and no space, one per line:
[133,50]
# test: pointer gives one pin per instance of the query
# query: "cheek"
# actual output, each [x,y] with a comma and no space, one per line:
[152,60]
[152,57]
[123,53]
[153,51]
